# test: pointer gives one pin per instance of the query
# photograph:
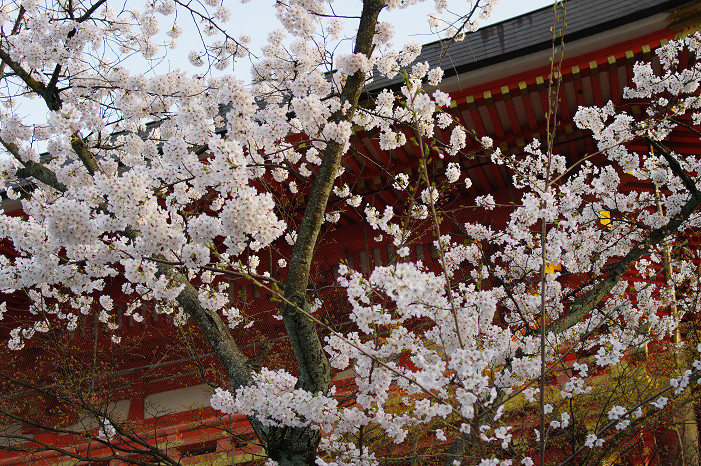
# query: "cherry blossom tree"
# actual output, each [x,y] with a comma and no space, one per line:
[170,210]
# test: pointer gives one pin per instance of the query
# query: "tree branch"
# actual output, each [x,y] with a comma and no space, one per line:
[594,296]
[217,334]
[33,169]
[314,369]
[15,29]
[676,167]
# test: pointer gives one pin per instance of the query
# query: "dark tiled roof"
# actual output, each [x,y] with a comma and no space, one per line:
[530,32]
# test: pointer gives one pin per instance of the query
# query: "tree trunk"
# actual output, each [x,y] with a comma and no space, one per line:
[297,446]
[292,446]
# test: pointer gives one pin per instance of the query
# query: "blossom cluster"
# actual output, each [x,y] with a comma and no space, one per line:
[161,183]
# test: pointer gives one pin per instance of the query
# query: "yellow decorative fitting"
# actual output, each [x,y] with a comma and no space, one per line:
[470,101]
[523,87]
[540,82]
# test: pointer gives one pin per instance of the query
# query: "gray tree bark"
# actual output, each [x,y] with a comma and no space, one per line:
[297,446]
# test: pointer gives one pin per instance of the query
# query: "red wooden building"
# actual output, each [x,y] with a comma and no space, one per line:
[497,79]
